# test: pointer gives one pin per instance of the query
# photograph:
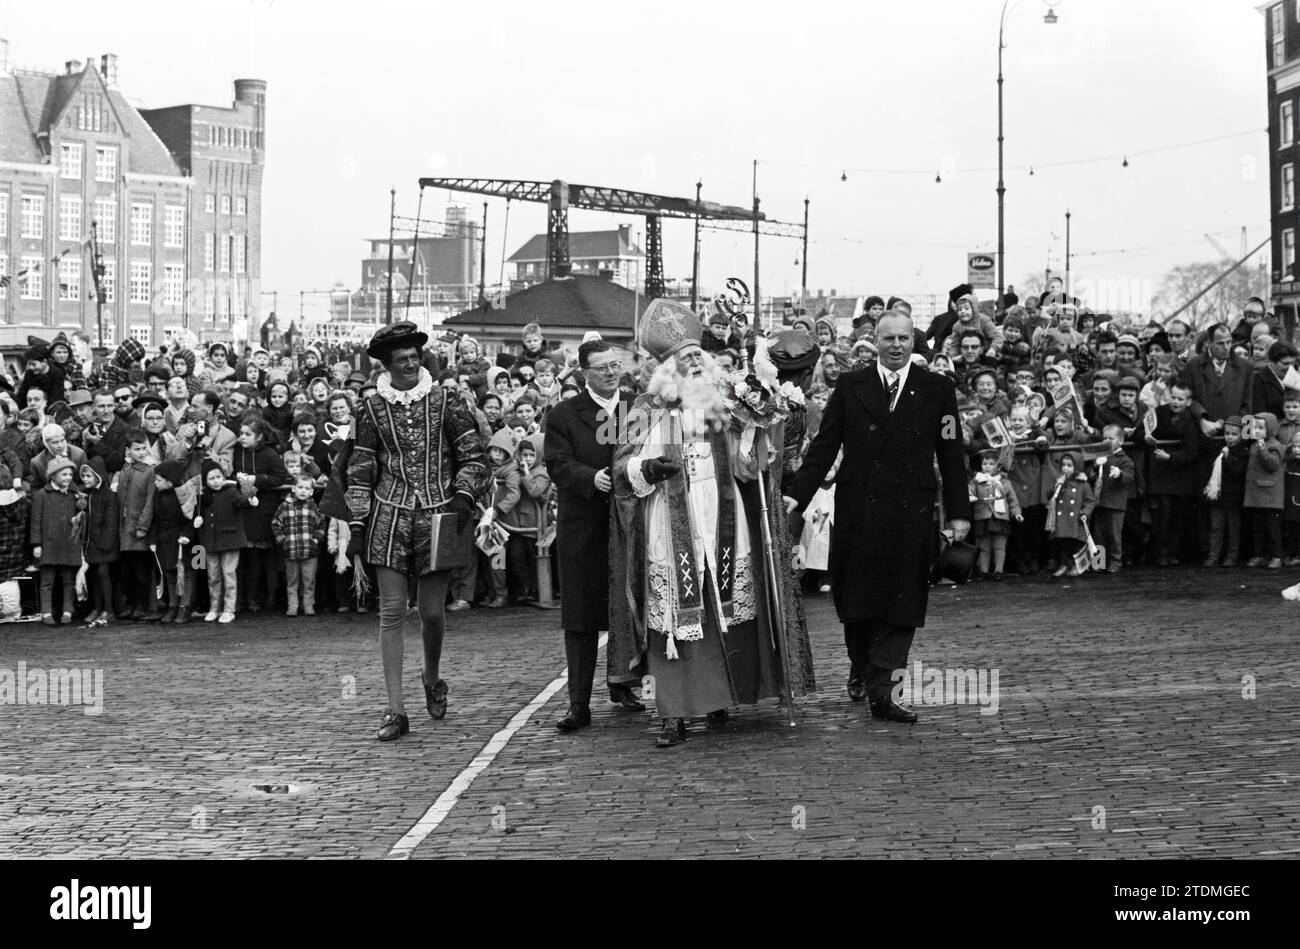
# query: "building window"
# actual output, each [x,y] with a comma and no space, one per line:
[70,154]
[141,278]
[1286,125]
[209,301]
[209,203]
[1288,254]
[1288,187]
[173,226]
[109,281]
[106,164]
[110,333]
[224,243]
[69,219]
[241,206]
[106,218]
[1277,17]
[225,204]
[33,212]
[173,284]
[142,224]
[32,283]
[209,252]
[141,334]
[70,278]
[239,244]
[212,135]
[4,213]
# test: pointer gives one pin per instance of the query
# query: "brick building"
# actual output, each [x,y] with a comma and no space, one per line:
[175,196]
[611,254]
[1282,55]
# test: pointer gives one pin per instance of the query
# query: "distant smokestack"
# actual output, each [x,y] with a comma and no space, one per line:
[108,69]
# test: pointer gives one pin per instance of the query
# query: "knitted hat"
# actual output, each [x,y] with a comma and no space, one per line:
[57,464]
[505,440]
[173,471]
[1128,382]
[209,466]
[37,353]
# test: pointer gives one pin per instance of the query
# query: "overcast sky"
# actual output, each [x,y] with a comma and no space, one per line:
[655,96]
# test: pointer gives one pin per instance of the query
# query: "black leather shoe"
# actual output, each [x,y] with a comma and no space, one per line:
[623,697]
[394,726]
[857,689]
[435,698]
[890,711]
[577,717]
[674,731]
[719,717]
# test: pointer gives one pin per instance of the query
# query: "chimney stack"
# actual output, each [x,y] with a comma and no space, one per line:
[108,69]
[72,67]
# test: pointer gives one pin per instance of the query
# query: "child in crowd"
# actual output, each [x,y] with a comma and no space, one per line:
[506,493]
[173,533]
[101,548]
[306,443]
[1026,475]
[546,388]
[996,506]
[528,514]
[55,549]
[299,527]
[526,412]
[1226,501]
[1290,422]
[1291,510]
[15,525]
[1115,486]
[1171,478]
[135,490]
[1068,511]
[1265,492]
[259,471]
[222,534]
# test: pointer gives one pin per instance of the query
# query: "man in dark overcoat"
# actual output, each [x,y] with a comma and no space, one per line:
[892,420]
[581,435]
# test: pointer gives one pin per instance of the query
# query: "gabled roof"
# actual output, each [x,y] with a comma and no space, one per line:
[582,244]
[579,301]
[31,103]
[17,135]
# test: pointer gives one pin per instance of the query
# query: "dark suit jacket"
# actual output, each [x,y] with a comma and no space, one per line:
[1266,392]
[884,538]
[1217,397]
[576,447]
[112,446]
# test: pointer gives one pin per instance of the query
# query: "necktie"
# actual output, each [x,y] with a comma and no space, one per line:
[893,388]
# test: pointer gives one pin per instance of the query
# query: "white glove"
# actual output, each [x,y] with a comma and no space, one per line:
[198,520]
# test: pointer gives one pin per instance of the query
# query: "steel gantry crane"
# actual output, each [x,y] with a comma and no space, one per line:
[559,196]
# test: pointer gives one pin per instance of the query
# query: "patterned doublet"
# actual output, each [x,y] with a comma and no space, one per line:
[410,454]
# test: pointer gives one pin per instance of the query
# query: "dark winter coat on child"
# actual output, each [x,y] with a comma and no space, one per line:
[170,525]
[1074,502]
[1265,474]
[505,477]
[988,515]
[135,494]
[103,518]
[1232,477]
[299,527]
[1115,491]
[269,475]
[1026,476]
[15,520]
[1177,476]
[1291,512]
[223,527]
[52,514]
[1051,465]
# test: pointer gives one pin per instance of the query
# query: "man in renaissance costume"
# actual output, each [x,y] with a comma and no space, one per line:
[688,601]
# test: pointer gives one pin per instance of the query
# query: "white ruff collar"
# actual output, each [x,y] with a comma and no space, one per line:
[384,387]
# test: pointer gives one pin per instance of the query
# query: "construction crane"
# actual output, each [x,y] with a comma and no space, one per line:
[559,196]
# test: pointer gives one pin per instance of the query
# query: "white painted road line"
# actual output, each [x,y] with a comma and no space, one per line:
[461,783]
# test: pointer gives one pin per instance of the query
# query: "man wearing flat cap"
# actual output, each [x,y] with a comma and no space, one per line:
[416,453]
[892,421]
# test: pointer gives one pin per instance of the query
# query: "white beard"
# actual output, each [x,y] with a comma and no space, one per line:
[700,395]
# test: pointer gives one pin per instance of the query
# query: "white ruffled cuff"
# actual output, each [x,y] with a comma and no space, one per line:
[640,486]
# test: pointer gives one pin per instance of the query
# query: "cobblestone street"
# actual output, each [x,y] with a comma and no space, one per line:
[1121,731]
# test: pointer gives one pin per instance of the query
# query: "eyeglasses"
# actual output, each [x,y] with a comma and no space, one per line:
[610,368]
[122,398]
